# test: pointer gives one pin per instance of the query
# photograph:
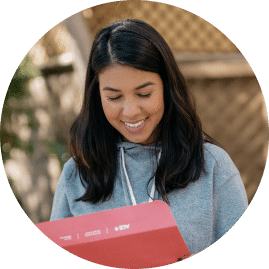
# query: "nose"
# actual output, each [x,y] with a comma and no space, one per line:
[131,108]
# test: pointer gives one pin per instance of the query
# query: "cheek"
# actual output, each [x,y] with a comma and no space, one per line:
[158,107]
[160,102]
[110,110]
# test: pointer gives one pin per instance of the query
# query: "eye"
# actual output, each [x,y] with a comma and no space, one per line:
[144,95]
[113,98]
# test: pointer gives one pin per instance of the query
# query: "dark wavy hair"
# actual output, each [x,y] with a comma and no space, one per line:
[93,141]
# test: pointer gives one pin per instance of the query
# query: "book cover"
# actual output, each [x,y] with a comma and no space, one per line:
[140,236]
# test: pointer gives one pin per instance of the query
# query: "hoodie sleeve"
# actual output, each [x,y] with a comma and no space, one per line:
[229,202]
[60,207]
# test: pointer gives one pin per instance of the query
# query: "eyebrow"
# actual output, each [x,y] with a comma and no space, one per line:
[137,88]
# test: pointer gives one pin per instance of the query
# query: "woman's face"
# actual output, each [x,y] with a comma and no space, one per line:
[132,101]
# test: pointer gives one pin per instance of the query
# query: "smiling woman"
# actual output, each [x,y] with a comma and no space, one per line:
[138,129]
[133,103]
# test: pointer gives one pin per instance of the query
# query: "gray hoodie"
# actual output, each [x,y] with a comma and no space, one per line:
[204,211]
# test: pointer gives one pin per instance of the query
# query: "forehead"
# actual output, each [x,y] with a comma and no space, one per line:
[126,77]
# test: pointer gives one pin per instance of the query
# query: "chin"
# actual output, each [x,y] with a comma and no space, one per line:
[141,141]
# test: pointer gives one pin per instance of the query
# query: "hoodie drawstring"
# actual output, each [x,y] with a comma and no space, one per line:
[129,183]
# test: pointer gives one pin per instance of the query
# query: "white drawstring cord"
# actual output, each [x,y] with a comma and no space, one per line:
[129,183]
[127,178]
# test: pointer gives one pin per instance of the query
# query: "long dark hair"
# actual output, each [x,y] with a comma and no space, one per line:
[93,141]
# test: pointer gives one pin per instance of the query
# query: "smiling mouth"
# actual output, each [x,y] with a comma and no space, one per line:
[134,125]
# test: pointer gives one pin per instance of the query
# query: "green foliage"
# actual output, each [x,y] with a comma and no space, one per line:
[58,150]
[18,87]
[17,91]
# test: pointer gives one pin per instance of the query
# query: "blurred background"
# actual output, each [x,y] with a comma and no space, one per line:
[45,95]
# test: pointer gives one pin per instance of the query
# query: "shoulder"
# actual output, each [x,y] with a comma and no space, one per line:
[70,180]
[219,166]
[70,169]
[219,159]
[215,152]
[217,156]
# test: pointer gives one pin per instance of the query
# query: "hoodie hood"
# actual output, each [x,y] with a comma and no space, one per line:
[130,145]
[137,165]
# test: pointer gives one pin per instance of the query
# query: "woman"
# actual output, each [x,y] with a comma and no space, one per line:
[138,139]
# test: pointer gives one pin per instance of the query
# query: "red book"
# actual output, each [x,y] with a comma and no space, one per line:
[145,235]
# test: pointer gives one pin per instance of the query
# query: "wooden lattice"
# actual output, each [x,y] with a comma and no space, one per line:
[233,112]
[182,30]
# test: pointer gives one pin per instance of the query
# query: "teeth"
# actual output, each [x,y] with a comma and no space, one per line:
[135,125]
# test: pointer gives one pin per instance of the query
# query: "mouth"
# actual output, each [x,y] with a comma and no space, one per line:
[135,127]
